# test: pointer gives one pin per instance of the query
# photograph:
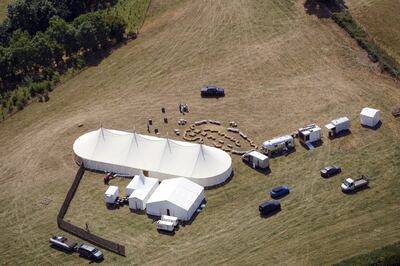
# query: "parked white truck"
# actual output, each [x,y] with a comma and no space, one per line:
[338,126]
[256,159]
[350,185]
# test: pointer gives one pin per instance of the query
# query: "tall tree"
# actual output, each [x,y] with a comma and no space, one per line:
[92,31]
[64,34]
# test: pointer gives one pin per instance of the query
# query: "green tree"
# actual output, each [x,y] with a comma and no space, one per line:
[92,31]
[21,52]
[64,34]
[45,50]
[117,27]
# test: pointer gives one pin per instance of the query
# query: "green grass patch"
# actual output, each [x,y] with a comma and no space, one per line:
[346,21]
[132,11]
[3,9]
[388,255]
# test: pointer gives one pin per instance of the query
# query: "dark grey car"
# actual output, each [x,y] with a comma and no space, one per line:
[90,252]
[212,91]
[330,170]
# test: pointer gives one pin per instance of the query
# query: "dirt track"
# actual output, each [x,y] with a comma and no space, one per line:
[281,69]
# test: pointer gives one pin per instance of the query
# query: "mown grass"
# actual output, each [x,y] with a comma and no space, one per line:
[3,9]
[345,20]
[282,70]
[382,22]
[388,255]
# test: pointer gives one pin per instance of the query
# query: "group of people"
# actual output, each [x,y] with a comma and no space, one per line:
[183,108]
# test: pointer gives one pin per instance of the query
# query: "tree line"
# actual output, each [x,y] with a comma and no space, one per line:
[41,39]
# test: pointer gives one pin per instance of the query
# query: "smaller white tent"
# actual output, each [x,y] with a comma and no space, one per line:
[139,191]
[177,197]
[370,117]
[111,194]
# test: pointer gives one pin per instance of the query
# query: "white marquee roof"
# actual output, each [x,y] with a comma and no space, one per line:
[179,191]
[369,112]
[163,158]
[141,182]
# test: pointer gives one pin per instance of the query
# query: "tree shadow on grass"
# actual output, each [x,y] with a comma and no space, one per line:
[324,8]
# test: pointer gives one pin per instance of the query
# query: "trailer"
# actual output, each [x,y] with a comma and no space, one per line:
[171,219]
[309,134]
[256,159]
[350,185]
[278,144]
[338,126]
[111,195]
[165,226]
[63,243]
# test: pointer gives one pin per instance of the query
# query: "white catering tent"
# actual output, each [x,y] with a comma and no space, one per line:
[370,117]
[139,190]
[131,153]
[177,197]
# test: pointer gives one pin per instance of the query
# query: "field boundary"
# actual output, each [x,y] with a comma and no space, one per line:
[387,255]
[77,231]
[144,17]
[346,21]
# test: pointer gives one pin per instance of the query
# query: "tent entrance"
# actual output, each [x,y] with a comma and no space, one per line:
[168,212]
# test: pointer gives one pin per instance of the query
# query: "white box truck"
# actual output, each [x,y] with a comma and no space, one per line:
[256,159]
[111,195]
[171,219]
[338,126]
[165,225]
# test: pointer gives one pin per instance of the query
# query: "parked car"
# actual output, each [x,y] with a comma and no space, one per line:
[212,91]
[330,170]
[280,191]
[90,252]
[269,207]
[350,185]
[63,243]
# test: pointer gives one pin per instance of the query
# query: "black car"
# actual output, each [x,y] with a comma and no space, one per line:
[330,171]
[90,252]
[212,91]
[270,206]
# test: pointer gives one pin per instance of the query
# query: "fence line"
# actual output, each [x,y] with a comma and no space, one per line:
[77,231]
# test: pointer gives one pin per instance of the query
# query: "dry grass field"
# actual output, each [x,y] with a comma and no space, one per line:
[381,20]
[3,9]
[281,69]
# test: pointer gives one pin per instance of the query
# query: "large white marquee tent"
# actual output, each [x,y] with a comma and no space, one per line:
[131,154]
[177,197]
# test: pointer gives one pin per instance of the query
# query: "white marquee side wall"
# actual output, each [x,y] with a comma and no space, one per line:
[124,170]
[160,208]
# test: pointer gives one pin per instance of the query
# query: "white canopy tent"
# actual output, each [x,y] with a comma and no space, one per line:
[177,197]
[131,153]
[370,117]
[139,190]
